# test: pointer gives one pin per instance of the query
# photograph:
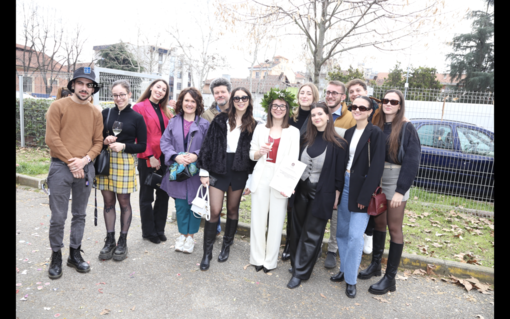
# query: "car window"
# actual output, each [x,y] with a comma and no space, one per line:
[475,142]
[436,135]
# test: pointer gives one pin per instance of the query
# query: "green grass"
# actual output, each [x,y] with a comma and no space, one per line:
[32,161]
[471,242]
[423,196]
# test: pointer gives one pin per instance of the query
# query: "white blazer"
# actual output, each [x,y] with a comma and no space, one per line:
[287,149]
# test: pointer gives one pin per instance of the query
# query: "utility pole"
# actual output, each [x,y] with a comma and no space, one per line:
[407,82]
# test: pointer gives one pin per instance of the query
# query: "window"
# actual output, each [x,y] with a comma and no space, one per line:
[179,75]
[179,86]
[257,75]
[160,57]
[27,84]
[189,75]
[475,142]
[189,84]
[436,135]
[53,82]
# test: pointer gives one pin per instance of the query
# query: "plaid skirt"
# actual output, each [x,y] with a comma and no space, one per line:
[122,178]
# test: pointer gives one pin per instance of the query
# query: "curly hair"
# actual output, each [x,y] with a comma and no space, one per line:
[218,82]
[195,94]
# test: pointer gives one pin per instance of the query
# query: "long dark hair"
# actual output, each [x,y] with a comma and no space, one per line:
[164,100]
[195,94]
[330,135]
[396,125]
[285,122]
[248,122]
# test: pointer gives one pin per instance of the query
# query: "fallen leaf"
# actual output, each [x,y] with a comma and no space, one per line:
[246,266]
[430,269]
[357,304]
[323,296]
[269,273]
[133,308]
[437,245]
[380,299]
[427,230]
[402,277]
[437,234]
[466,284]
[105,312]
[420,272]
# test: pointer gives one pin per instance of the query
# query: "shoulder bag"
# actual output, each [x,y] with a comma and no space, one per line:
[378,203]
[200,205]
[179,172]
[102,163]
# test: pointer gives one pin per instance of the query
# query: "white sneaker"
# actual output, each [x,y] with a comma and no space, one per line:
[179,243]
[367,246]
[188,245]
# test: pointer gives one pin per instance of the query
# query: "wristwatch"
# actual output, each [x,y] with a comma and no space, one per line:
[88,158]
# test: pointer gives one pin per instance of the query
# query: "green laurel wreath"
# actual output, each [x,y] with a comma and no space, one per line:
[277,94]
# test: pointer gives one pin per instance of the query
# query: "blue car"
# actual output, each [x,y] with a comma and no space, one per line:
[457,158]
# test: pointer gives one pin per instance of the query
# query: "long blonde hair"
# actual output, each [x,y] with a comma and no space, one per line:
[163,102]
[315,94]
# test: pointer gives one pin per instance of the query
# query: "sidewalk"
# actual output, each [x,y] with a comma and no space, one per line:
[155,281]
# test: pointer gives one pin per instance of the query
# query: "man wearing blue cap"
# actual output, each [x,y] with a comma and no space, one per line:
[74,135]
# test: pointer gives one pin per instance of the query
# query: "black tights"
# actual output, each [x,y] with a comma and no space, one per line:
[216,202]
[393,217]
[126,213]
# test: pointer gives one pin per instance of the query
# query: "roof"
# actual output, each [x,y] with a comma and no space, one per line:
[24,52]
[258,85]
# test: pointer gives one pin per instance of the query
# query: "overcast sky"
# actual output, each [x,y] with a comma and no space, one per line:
[107,22]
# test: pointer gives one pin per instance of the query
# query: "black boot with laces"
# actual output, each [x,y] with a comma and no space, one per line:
[121,250]
[76,261]
[109,246]
[55,270]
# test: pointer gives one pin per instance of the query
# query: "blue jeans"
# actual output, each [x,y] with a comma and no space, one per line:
[218,229]
[349,236]
[186,221]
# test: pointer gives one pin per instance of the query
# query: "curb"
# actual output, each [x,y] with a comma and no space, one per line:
[408,261]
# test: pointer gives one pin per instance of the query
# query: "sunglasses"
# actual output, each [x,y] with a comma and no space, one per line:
[392,102]
[241,98]
[360,108]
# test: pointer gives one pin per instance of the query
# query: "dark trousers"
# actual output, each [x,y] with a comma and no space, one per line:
[153,220]
[307,231]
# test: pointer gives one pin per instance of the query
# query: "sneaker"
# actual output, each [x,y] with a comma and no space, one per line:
[179,243]
[367,246]
[188,245]
[330,262]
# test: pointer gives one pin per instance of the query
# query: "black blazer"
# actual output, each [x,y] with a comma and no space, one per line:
[364,180]
[331,179]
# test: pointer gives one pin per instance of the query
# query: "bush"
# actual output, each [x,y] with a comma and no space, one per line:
[35,121]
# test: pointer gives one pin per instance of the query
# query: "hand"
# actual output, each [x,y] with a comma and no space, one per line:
[75,163]
[396,201]
[192,157]
[117,147]
[337,195]
[109,139]
[78,174]
[247,191]
[361,206]
[181,159]
[155,163]
[171,103]
[264,149]
[204,180]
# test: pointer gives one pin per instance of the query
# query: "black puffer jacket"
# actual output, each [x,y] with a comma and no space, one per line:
[213,153]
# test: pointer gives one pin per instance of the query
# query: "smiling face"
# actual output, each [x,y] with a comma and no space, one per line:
[221,95]
[360,115]
[81,90]
[189,105]
[355,91]
[158,91]
[305,96]
[319,118]
[391,110]
[279,112]
[335,97]
[120,96]
[241,105]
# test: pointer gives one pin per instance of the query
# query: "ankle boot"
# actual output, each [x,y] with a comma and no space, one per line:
[209,238]
[286,249]
[228,239]
[374,269]
[387,283]
[109,246]
[76,261]
[55,270]
[121,250]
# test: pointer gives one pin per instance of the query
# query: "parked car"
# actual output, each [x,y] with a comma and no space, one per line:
[457,158]
[25,96]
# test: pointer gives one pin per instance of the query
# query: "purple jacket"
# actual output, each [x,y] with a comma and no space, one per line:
[172,142]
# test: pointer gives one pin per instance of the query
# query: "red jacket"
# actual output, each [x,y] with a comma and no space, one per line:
[153,128]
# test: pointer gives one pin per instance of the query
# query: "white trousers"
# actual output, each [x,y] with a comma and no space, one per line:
[263,201]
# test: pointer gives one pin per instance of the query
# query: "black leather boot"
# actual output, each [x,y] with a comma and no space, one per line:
[55,270]
[350,291]
[209,238]
[76,261]
[338,277]
[286,249]
[228,239]
[387,283]
[121,250]
[294,282]
[374,269]
[109,246]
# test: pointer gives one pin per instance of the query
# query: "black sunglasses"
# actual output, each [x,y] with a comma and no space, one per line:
[361,108]
[241,98]
[392,102]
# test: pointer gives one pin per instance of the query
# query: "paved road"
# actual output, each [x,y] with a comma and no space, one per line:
[157,282]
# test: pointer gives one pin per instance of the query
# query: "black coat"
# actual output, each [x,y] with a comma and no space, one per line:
[331,179]
[364,180]
[213,153]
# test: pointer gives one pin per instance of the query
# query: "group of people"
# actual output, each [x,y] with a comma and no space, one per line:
[348,152]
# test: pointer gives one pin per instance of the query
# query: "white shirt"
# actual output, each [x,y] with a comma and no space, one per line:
[232,141]
[352,147]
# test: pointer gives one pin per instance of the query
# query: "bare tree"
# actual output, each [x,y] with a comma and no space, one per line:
[72,48]
[331,27]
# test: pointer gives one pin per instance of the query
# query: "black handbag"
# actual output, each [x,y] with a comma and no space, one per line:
[102,163]
[154,180]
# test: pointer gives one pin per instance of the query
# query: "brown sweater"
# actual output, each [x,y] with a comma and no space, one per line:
[73,130]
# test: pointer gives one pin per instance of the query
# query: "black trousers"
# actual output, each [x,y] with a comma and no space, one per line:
[153,220]
[307,231]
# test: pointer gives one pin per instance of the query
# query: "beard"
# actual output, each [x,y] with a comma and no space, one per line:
[335,105]
[83,99]
[222,104]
